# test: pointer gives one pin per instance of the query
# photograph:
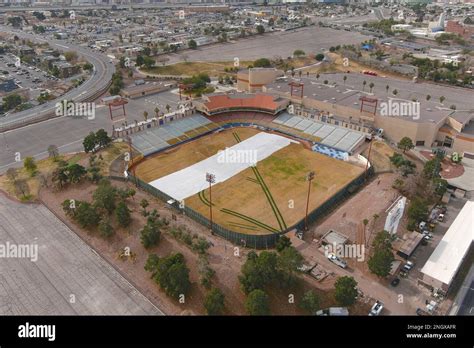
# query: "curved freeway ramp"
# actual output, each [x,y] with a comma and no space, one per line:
[97,84]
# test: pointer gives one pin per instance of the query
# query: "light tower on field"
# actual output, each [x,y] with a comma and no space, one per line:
[210,178]
[309,179]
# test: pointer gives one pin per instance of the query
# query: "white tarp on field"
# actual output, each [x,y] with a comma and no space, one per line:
[224,165]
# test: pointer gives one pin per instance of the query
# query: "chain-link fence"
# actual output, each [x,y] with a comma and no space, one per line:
[257,241]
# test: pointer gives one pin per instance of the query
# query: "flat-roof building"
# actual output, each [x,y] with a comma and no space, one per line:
[443,264]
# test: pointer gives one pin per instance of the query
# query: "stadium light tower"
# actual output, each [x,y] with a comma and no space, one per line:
[309,178]
[210,178]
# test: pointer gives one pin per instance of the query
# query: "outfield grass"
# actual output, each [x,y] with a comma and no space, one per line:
[260,200]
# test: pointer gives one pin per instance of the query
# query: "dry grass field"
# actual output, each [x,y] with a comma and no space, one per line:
[379,156]
[260,200]
[187,154]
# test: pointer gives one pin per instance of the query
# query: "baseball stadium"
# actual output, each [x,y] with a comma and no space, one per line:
[242,161]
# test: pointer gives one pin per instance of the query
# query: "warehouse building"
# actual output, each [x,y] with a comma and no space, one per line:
[443,265]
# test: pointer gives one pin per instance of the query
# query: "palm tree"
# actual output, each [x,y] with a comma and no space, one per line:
[317,76]
[363,85]
[371,85]
[157,111]
[345,78]
[387,87]
[145,115]
[428,97]
[168,108]
[395,92]
[442,99]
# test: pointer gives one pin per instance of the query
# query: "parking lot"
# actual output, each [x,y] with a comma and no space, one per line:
[25,75]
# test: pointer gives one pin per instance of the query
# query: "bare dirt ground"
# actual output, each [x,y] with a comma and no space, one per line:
[375,198]
[221,257]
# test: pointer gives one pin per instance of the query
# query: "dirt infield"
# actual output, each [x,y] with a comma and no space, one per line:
[259,200]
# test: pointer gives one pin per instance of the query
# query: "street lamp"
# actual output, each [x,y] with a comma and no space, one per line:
[309,178]
[210,178]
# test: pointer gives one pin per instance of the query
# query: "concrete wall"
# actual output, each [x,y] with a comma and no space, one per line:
[253,79]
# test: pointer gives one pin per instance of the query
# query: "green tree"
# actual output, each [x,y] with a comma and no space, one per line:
[258,270]
[299,53]
[144,204]
[122,214]
[380,263]
[282,243]
[405,144]
[319,57]
[150,233]
[431,168]
[105,228]
[289,261]
[192,44]
[257,303]
[310,302]
[89,142]
[11,101]
[345,291]
[75,172]
[417,211]
[214,302]
[30,165]
[86,215]
[260,29]
[104,196]
[262,63]
[170,273]
[102,139]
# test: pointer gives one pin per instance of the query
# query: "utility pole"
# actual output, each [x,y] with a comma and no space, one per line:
[309,179]
[210,178]
[368,158]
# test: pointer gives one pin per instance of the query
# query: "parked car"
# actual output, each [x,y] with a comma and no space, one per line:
[376,309]
[336,260]
[408,266]
[395,282]
[441,217]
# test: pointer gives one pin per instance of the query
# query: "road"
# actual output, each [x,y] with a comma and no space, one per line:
[66,277]
[99,81]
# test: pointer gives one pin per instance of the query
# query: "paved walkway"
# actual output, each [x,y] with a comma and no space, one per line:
[68,278]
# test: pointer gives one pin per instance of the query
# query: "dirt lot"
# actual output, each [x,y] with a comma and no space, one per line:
[375,198]
[221,258]
[379,156]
